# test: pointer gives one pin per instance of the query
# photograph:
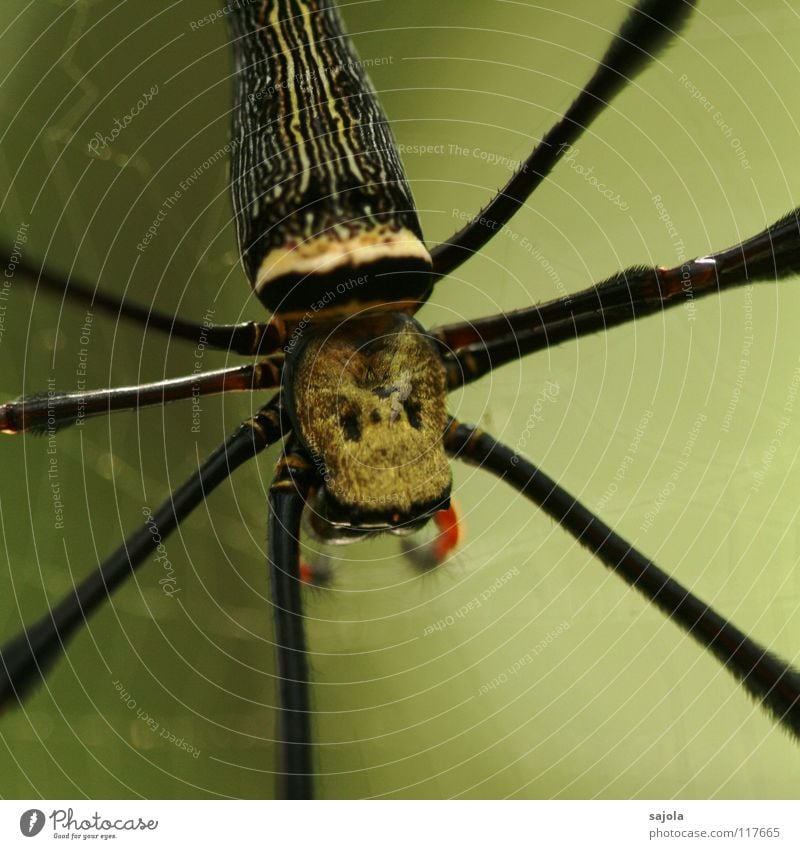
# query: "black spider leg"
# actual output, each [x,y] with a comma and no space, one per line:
[26,658]
[45,411]
[248,338]
[648,29]
[472,349]
[770,680]
[294,479]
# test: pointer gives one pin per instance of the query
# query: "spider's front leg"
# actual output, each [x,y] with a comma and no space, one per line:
[472,349]
[649,28]
[27,658]
[52,410]
[249,338]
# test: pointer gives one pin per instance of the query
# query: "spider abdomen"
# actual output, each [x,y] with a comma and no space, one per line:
[324,212]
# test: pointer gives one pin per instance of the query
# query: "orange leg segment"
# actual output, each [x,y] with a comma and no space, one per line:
[429,555]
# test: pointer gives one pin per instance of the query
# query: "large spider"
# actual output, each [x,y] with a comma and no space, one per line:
[515,339]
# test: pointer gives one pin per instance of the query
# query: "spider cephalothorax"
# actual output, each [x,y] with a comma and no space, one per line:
[367,401]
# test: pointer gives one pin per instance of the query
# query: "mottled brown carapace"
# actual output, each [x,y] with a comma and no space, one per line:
[367,399]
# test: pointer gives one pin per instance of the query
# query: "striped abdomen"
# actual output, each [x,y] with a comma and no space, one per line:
[323,209]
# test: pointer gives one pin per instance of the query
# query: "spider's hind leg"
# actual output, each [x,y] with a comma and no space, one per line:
[248,338]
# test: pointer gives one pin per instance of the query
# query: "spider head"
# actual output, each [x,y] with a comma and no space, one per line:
[368,401]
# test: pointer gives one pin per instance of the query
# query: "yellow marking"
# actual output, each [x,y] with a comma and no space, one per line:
[304,28]
[471,444]
[293,463]
[271,418]
[291,87]
[274,373]
[323,75]
[453,443]
[279,486]
[450,433]
[470,364]
[337,310]
[323,254]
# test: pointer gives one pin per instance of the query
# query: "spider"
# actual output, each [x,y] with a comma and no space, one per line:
[497,760]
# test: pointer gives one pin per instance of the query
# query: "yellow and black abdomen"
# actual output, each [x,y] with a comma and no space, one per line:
[324,212]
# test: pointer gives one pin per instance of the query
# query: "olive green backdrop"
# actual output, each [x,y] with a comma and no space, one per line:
[559,681]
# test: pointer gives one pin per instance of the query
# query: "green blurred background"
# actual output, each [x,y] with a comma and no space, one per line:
[619,703]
